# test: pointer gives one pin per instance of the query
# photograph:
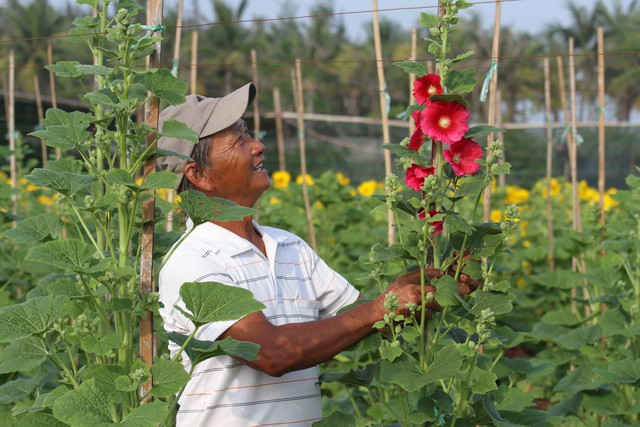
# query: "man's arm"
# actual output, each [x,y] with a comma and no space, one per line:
[296,346]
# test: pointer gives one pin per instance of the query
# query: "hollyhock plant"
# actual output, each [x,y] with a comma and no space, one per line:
[436,224]
[426,86]
[445,121]
[462,156]
[416,174]
[417,139]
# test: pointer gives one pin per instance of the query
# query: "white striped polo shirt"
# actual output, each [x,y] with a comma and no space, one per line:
[294,284]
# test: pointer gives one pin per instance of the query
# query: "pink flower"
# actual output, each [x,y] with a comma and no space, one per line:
[426,86]
[444,121]
[462,156]
[418,136]
[436,224]
[416,174]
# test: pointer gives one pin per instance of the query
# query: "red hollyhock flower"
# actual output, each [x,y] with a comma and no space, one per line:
[426,86]
[418,136]
[416,174]
[444,121]
[462,156]
[436,224]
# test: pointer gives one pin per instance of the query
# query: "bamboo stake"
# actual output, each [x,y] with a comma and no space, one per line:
[194,62]
[412,77]
[52,87]
[299,101]
[502,178]
[176,46]
[256,109]
[383,112]
[279,130]
[11,122]
[147,347]
[547,104]
[495,52]
[601,127]
[43,146]
[565,108]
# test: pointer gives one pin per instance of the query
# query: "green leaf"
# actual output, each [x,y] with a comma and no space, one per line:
[580,379]
[147,415]
[482,381]
[461,81]
[40,228]
[428,20]
[70,254]
[621,372]
[201,208]
[447,293]
[498,302]
[65,69]
[46,400]
[100,70]
[199,351]
[105,377]
[168,377]
[512,399]
[613,323]
[67,183]
[86,406]
[156,180]
[380,253]
[462,57]
[165,86]
[562,316]
[608,403]
[354,377]
[471,186]
[179,130]
[101,345]
[31,317]
[457,223]
[412,67]
[38,419]
[561,279]
[401,151]
[404,372]
[390,352]
[56,116]
[446,363]
[337,419]
[501,168]
[215,302]
[481,130]
[23,355]
[17,390]
[450,98]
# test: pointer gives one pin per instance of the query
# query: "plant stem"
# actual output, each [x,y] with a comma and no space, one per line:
[86,230]
[60,363]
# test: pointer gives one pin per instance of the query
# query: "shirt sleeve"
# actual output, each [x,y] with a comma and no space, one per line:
[334,291]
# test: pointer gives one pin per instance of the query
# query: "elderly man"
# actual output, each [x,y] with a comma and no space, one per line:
[300,327]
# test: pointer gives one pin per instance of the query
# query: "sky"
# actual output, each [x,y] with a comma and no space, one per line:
[522,15]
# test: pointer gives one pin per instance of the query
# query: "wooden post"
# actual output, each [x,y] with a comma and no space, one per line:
[547,104]
[52,86]
[43,145]
[495,52]
[502,178]
[194,63]
[11,124]
[256,109]
[178,41]
[277,109]
[147,350]
[565,108]
[299,101]
[412,77]
[601,127]
[383,112]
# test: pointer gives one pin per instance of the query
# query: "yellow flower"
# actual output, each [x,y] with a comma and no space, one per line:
[526,244]
[527,267]
[353,193]
[588,194]
[380,186]
[496,215]
[523,228]
[555,187]
[274,201]
[281,179]
[609,202]
[516,195]
[178,199]
[45,200]
[367,188]
[342,179]
[521,282]
[307,178]
[318,204]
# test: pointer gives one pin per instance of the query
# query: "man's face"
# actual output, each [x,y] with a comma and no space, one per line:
[237,171]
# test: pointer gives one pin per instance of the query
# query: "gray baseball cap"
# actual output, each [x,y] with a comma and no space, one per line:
[205,116]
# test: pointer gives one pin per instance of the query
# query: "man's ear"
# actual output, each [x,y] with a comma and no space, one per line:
[196,174]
